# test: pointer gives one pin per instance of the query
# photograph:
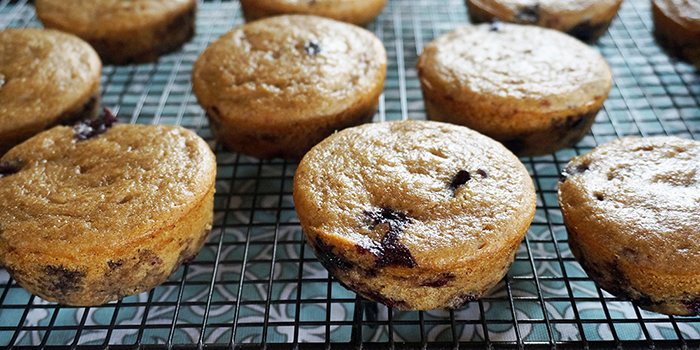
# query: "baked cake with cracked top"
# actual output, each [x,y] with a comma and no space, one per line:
[101,211]
[416,215]
[631,209]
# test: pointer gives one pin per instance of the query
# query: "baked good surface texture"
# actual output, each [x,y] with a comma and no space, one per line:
[631,209]
[92,214]
[416,215]
[534,89]
[123,31]
[358,12]
[586,20]
[677,28]
[277,86]
[46,78]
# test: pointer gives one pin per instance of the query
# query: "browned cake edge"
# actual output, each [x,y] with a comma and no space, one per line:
[647,288]
[130,272]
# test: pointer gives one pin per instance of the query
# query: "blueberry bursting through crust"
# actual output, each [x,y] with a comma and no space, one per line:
[87,129]
[389,251]
[10,167]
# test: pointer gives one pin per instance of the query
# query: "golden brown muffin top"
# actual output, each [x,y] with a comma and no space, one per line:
[686,12]
[43,73]
[353,11]
[639,197]
[536,69]
[586,8]
[452,195]
[94,18]
[76,199]
[288,68]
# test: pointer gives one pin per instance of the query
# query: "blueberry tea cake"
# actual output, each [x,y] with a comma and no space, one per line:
[416,215]
[100,211]
[630,207]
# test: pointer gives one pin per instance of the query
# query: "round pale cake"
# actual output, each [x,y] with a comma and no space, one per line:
[46,78]
[278,86]
[121,31]
[586,20]
[535,90]
[416,215]
[677,28]
[101,211]
[358,12]
[631,209]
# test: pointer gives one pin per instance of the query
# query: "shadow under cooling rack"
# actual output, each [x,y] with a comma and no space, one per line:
[257,285]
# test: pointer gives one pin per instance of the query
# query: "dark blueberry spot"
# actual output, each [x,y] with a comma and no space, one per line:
[85,112]
[528,14]
[148,257]
[113,265]
[216,110]
[439,281]
[190,259]
[587,32]
[389,251]
[693,306]
[10,167]
[483,173]
[387,215]
[460,179]
[496,25]
[378,297]
[644,301]
[599,196]
[330,260]
[312,48]
[87,129]
[63,280]
[571,171]
[462,300]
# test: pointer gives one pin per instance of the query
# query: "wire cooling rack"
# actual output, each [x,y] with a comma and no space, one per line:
[256,285]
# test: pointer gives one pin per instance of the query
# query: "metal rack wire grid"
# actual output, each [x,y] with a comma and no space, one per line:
[257,285]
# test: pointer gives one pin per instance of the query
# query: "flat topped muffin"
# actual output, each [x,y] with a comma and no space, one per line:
[631,209]
[123,31]
[91,214]
[278,86]
[534,89]
[46,77]
[358,12]
[586,20]
[677,28]
[415,214]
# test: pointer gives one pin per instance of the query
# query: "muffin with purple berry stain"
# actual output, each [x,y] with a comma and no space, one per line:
[586,20]
[416,215]
[47,78]
[630,207]
[102,210]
